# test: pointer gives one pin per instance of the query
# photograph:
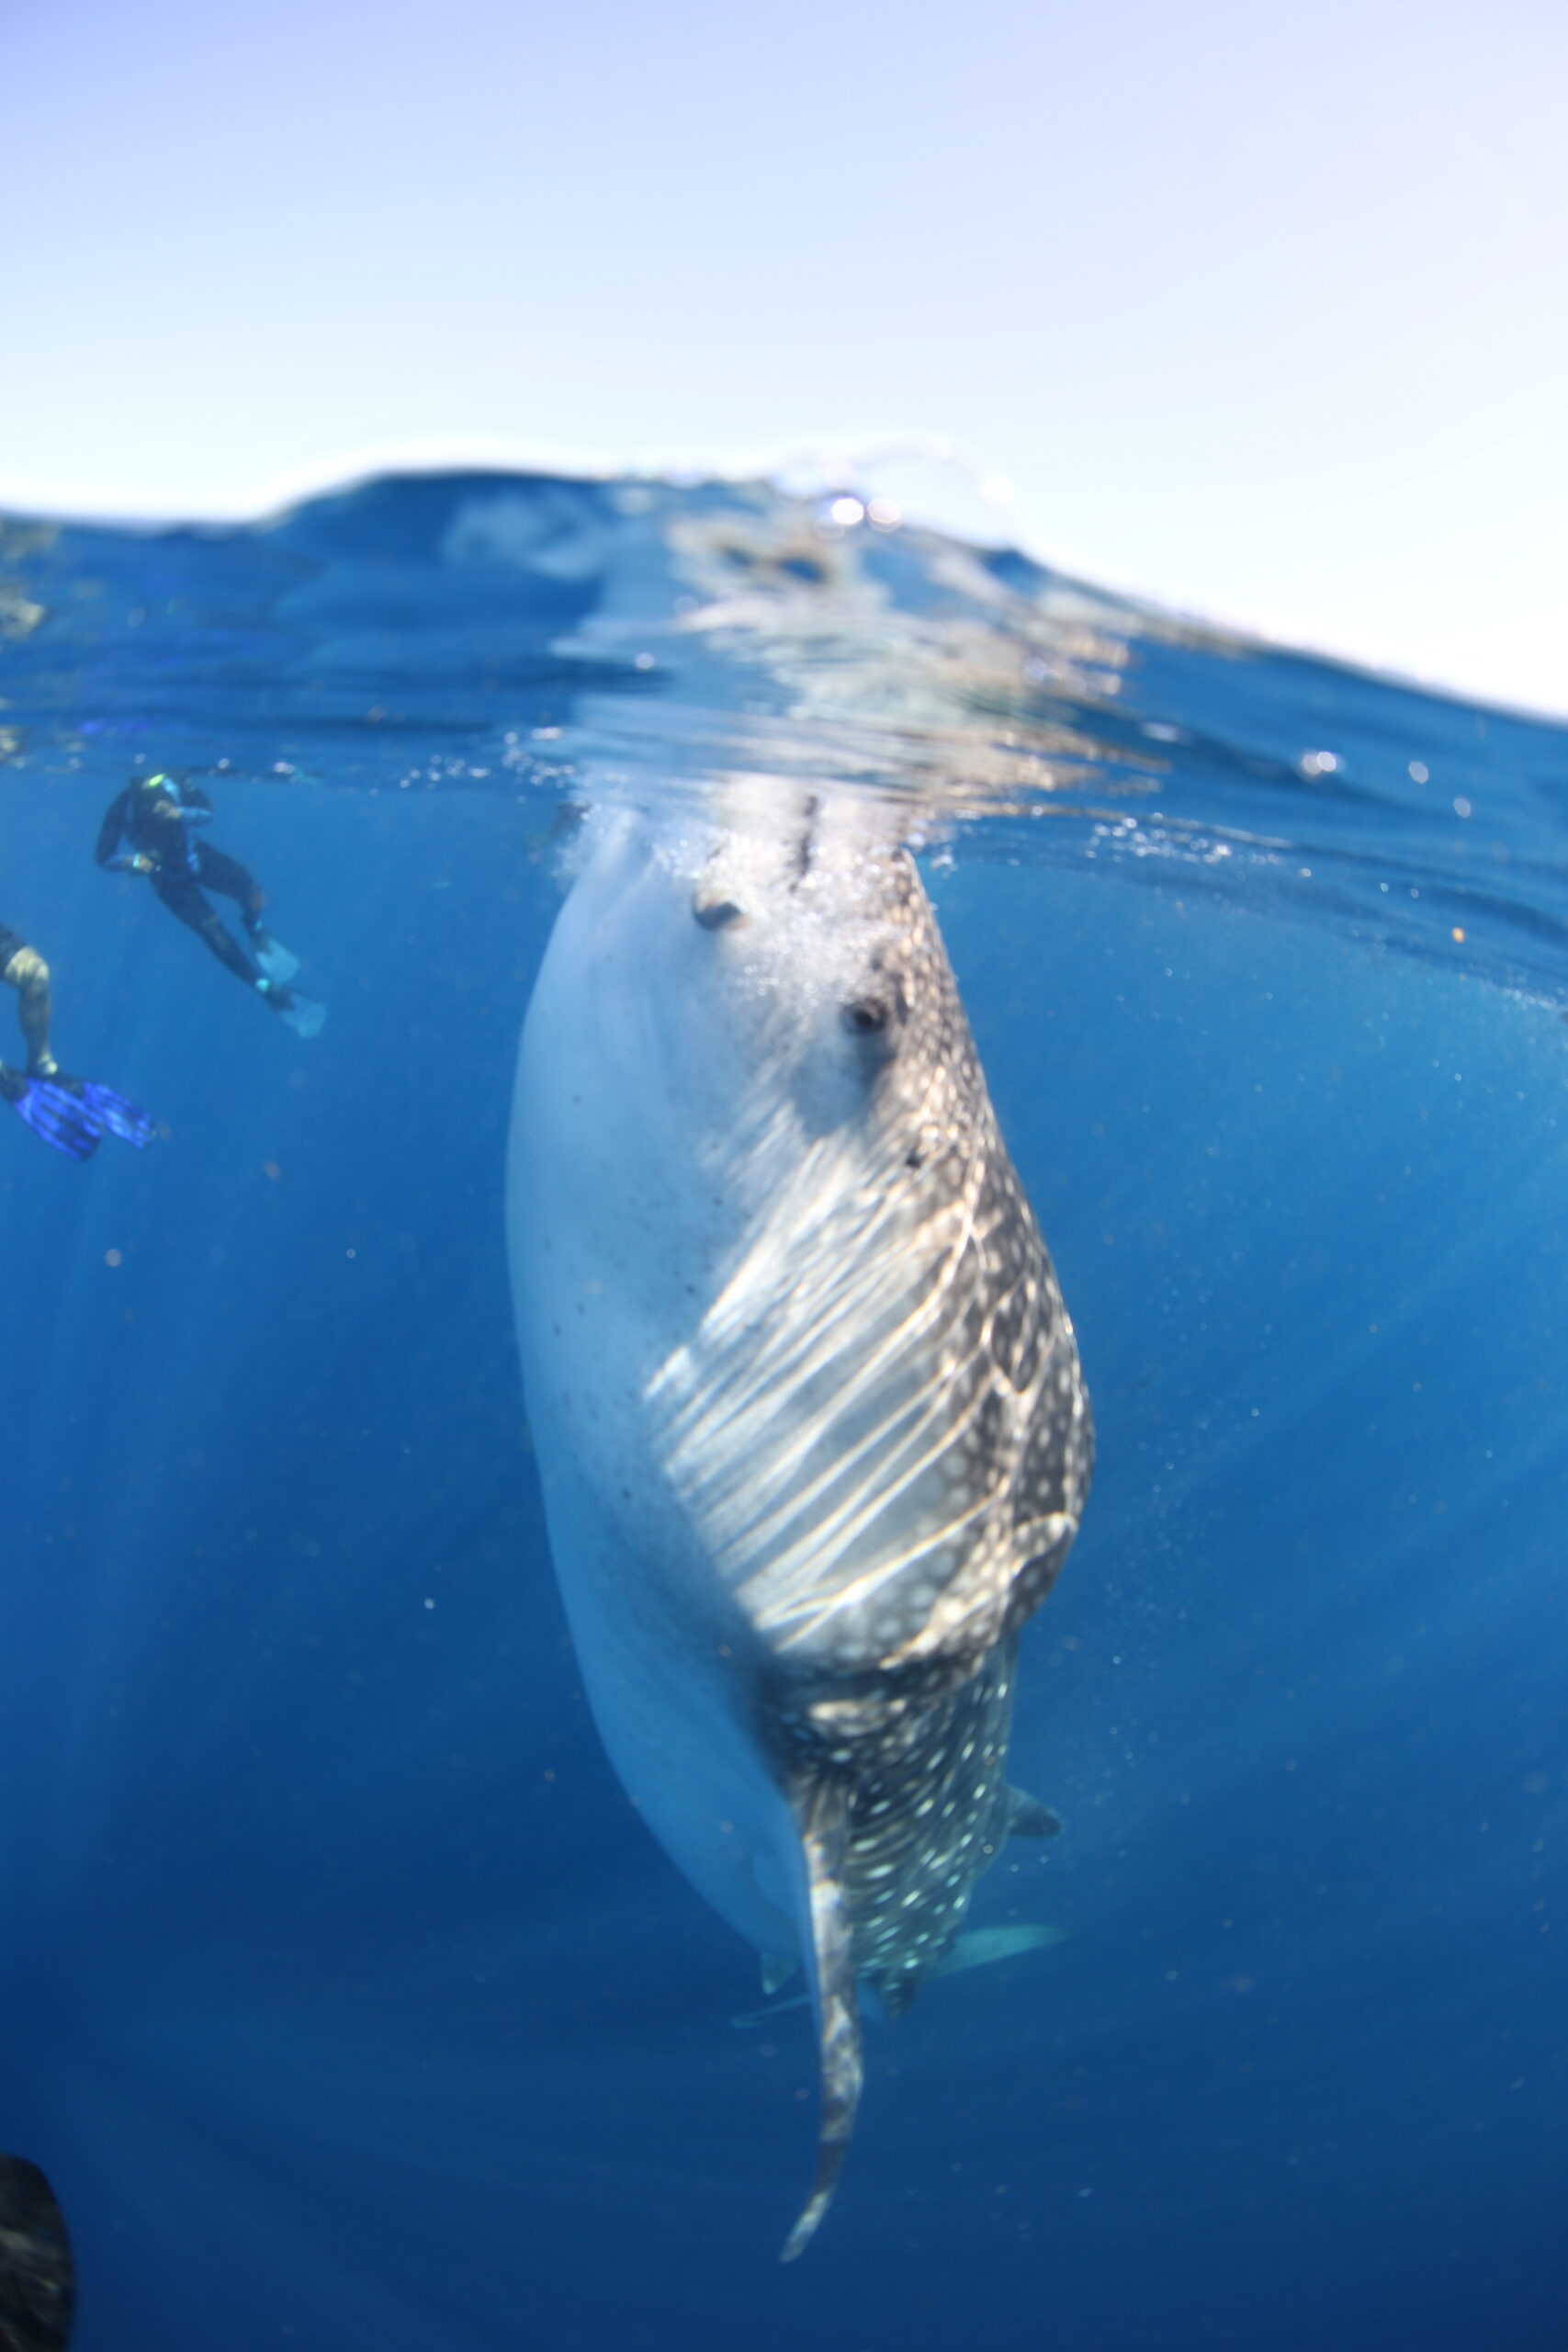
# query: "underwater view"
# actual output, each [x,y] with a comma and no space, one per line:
[991,1367]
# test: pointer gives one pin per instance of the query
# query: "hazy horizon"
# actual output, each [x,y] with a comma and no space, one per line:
[1261,316]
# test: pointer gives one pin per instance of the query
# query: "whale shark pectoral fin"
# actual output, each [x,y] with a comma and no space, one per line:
[777,1970]
[979,1947]
[749,2019]
[822,1818]
[1027,1818]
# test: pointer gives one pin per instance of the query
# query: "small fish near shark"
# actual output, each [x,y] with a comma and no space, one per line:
[812,1432]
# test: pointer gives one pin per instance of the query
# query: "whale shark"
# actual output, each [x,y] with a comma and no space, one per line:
[806,1402]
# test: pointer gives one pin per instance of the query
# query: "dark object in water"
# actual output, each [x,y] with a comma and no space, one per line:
[38,2292]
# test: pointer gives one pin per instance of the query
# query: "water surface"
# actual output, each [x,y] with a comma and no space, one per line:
[351,2004]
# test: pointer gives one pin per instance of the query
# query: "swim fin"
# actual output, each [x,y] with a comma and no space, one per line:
[279,963]
[57,1117]
[304,1014]
[116,1112]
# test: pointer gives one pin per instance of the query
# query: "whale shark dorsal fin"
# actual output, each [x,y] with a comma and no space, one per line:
[777,1968]
[821,1816]
[1027,1818]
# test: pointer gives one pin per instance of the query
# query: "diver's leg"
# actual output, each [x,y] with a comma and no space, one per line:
[216,870]
[179,894]
[219,871]
[25,970]
[71,1114]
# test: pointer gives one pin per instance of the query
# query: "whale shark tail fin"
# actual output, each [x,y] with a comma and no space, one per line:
[822,1818]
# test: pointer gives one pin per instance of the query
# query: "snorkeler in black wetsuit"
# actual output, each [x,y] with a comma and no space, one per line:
[72,1114]
[158,818]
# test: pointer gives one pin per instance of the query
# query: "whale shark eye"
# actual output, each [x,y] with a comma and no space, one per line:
[716,915]
[867,1016]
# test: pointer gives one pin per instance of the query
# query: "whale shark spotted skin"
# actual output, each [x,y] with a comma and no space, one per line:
[806,1401]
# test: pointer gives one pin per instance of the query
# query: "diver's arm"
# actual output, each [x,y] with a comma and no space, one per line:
[111,832]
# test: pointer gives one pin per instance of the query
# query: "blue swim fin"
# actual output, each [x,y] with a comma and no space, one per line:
[279,963]
[58,1117]
[116,1112]
[303,1014]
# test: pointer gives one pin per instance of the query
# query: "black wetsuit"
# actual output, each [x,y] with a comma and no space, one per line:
[155,816]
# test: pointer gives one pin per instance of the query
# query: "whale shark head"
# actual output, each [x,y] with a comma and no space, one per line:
[820,956]
[761,988]
[795,1353]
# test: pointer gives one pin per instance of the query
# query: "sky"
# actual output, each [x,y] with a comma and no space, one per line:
[1259,310]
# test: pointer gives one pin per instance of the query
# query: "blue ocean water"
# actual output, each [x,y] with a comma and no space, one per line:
[348,2002]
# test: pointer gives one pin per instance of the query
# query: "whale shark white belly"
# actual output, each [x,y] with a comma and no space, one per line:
[805,1398]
